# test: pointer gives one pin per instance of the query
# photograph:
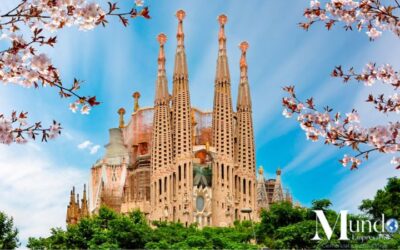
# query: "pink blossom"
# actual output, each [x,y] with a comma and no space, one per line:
[73,107]
[40,62]
[85,110]
[353,117]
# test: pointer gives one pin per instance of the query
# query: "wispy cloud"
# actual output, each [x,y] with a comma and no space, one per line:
[34,189]
[92,148]
[363,183]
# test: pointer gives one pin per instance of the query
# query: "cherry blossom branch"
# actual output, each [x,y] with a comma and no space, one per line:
[369,15]
[15,129]
[342,131]
[22,64]
[370,75]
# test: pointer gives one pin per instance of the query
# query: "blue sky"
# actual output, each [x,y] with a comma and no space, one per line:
[35,179]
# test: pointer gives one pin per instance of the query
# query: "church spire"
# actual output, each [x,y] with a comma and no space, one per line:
[222,132]
[84,209]
[180,69]
[245,133]
[222,111]
[222,19]
[244,100]
[222,63]
[181,107]
[244,148]
[180,14]
[162,94]
[161,121]
[161,145]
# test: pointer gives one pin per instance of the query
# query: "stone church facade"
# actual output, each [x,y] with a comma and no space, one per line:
[175,162]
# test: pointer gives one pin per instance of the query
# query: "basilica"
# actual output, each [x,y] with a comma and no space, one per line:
[175,162]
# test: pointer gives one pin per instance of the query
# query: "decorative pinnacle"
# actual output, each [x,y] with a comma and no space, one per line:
[180,14]
[222,19]
[121,113]
[261,170]
[243,47]
[162,39]
[136,97]
[278,171]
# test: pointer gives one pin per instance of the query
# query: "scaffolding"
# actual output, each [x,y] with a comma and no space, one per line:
[203,127]
[138,132]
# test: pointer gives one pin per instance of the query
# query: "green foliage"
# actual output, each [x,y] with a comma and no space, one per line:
[8,234]
[322,204]
[386,201]
[109,230]
[283,226]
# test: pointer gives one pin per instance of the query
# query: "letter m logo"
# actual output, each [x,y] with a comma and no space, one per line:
[320,216]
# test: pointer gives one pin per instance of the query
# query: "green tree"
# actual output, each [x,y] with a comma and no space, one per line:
[279,215]
[322,204]
[8,233]
[386,201]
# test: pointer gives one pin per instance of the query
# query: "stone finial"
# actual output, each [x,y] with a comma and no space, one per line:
[162,39]
[121,113]
[261,170]
[278,171]
[180,14]
[136,97]
[243,47]
[222,19]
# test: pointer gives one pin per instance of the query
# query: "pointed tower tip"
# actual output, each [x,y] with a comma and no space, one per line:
[261,170]
[162,39]
[243,47]
[222,19]
[278,171]
[180,14]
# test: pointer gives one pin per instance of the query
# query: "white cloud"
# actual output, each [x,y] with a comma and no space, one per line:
[34,189]
[363,183]
[93,149]
[85,144]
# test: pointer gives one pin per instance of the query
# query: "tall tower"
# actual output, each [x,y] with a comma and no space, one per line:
[182,131]
[222,139]
[245,156]
[161,151]
[262,195]
[85,207]
[277,195]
